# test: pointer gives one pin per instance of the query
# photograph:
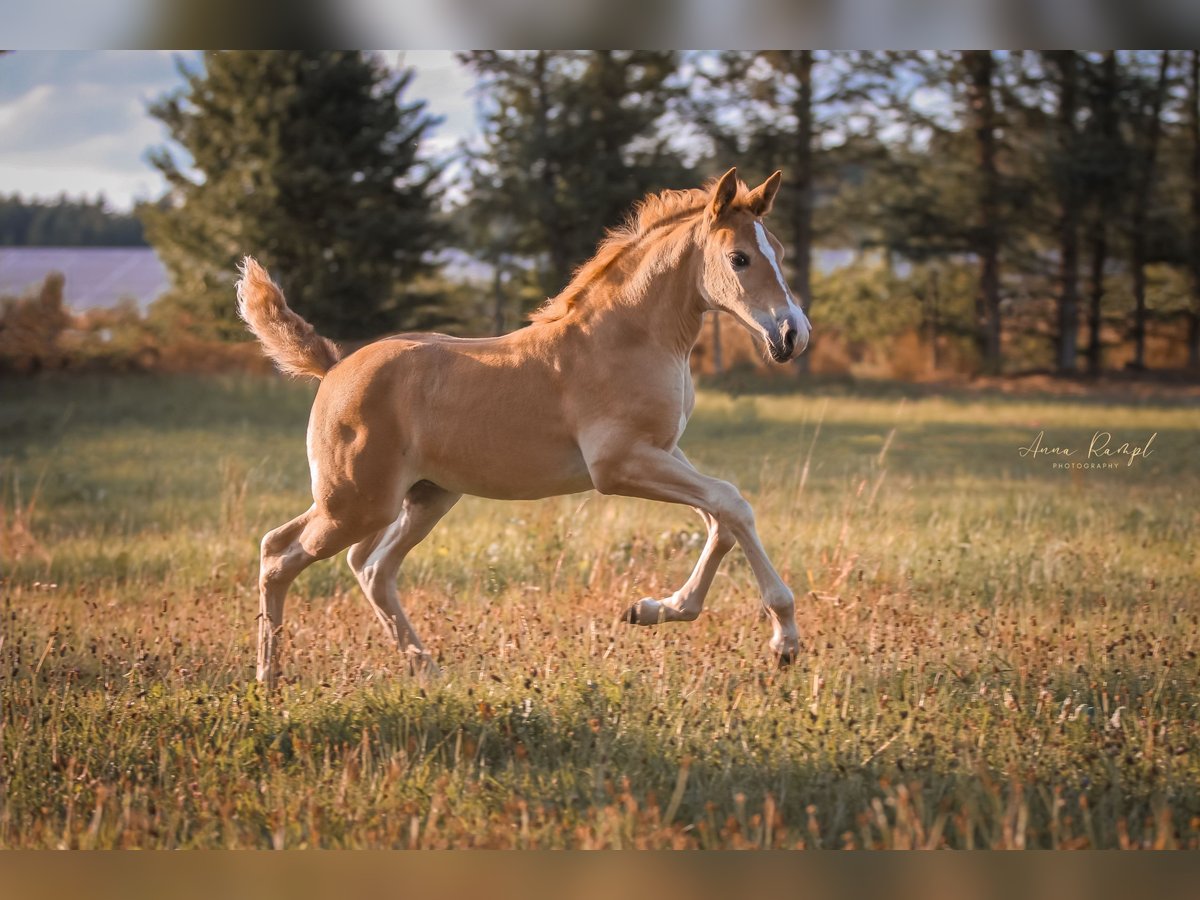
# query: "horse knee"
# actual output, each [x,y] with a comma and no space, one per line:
[274,569]
[732,512]
[272,555]
[276,540]
[781,602]
[725,538]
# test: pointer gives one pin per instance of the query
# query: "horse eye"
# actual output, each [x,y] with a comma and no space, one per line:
[738,260]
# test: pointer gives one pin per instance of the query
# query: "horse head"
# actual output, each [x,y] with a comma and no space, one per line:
[741,272]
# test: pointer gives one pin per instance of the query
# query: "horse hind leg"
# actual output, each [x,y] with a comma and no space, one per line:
[281,560]
[286,552]
[376,563]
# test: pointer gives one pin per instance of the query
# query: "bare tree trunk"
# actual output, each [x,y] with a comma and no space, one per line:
[1068,298]
[1194,128]
[1140,214]
[1106,112]
[498,299]
[802,178]
[718,354]
[556,278]
[980,66]
[1099,244]
[935,298]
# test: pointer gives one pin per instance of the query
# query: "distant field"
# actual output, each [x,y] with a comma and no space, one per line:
[996,653]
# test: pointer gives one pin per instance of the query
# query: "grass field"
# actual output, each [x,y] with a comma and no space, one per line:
[996,653]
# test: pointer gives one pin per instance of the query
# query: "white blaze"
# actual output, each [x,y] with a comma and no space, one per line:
[768,251]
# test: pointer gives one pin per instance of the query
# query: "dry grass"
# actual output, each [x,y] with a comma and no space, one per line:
[996,654]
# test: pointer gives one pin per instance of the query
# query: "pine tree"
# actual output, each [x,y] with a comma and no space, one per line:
[1193,126]
[949,195]
[1150,127]
[1103,161]
[980,67]
[1065,65]
[929,188]
[571,141]
[309,161]
[66,223]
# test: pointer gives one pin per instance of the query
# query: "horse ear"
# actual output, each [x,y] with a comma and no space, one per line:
[723,194]
[763,197]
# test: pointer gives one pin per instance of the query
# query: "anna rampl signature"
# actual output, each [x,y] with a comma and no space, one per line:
[1102,449]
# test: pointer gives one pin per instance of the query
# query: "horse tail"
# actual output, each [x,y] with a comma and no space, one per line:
[290,342]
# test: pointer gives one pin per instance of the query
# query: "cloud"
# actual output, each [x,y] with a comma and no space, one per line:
[64,119]
[77,121]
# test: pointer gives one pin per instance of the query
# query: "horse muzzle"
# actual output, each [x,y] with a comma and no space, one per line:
[789,336]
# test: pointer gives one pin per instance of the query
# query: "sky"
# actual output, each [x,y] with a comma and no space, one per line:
[76,121]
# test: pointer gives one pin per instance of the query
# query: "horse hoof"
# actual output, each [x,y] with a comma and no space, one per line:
[630,616]
[786,658]
[421,664]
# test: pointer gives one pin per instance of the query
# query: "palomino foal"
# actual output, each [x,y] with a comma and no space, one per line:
[595,393]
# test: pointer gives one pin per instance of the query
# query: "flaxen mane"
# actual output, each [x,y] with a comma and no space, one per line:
[650,214]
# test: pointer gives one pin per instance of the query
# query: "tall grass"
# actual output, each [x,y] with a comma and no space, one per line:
[996,653]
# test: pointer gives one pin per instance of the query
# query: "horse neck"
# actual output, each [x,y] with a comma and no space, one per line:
[662,303]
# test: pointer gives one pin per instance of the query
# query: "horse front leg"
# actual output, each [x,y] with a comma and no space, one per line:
[646,471]
[686,604]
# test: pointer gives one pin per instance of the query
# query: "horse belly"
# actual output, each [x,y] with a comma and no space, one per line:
[513,466]
[495,438]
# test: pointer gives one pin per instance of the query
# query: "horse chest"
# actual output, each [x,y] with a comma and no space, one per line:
[667,414]
[685,413]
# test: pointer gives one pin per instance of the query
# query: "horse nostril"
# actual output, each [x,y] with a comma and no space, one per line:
[789,338]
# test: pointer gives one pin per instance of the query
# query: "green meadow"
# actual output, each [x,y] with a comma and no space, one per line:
[996,652]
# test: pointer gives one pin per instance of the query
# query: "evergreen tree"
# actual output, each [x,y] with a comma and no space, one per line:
[309,161]
[1103,162]
[571,141]
[1149,128]
[1193,125]
[1065,65]
[980,68]
[949,182]
[914,189]
[66,223]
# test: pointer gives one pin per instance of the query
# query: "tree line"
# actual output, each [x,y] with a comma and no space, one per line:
[64,222]
[1013,208]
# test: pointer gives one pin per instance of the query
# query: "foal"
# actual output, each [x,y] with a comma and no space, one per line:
[595,393]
